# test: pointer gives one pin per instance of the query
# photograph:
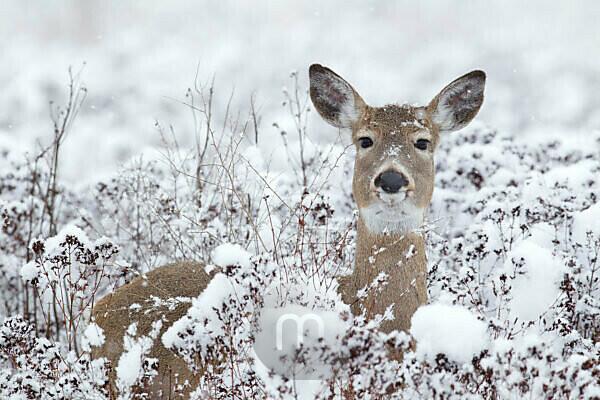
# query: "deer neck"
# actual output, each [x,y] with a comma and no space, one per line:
[402,258]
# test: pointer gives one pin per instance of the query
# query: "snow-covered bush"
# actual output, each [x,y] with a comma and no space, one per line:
[65,274]
[216,335]
[513,244]
[38,369]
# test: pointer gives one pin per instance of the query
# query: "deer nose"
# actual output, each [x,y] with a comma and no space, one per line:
[391,181]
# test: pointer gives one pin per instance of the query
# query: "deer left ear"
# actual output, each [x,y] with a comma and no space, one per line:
[458,103]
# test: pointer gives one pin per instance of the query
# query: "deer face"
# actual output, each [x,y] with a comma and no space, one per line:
[394,170]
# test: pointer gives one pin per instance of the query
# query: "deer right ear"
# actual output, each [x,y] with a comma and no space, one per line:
[335,100]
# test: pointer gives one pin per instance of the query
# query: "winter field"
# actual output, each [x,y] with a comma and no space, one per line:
[138,134]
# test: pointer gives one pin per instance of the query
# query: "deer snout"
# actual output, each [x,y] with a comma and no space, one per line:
[391,181]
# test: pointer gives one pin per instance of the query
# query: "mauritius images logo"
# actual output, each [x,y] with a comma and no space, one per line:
[297,322]
[298,342]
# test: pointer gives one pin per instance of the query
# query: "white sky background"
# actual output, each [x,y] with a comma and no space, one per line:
[542,59]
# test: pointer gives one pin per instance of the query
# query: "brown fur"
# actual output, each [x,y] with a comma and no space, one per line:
[403,259]
[113,315]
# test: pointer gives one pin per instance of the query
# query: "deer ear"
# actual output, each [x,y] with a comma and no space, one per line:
[335,100]
[458,103]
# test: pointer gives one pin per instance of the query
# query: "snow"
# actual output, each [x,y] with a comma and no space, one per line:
[254,156]
[230,254]
[542,234]
[203,308]
[29,271]
[585,222]
[94,335]
[52,245]
[134,363]
[534,291]
[452,330]
[129,368]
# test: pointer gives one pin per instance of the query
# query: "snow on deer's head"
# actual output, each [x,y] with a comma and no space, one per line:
[394,170]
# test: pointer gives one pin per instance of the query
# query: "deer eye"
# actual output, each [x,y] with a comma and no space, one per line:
[365,142]
[422,144]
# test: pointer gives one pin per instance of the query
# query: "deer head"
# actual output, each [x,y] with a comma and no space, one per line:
[394,170]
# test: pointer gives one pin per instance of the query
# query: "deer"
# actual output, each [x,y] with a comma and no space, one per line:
[392,186]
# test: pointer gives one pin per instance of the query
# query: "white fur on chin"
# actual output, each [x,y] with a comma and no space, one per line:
[403,217]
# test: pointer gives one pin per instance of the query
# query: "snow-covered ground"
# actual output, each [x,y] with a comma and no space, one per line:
[513,231]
